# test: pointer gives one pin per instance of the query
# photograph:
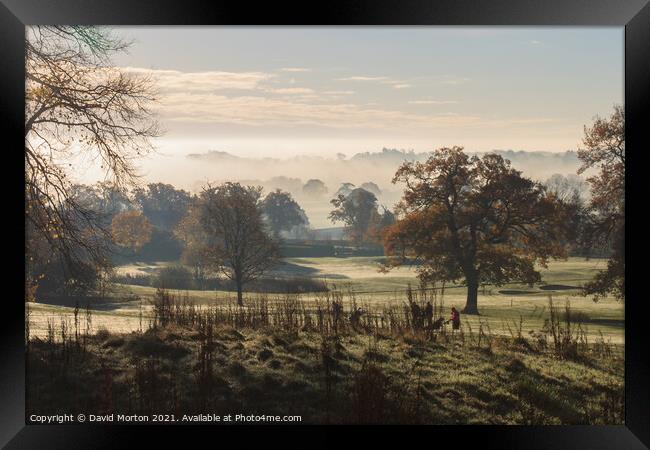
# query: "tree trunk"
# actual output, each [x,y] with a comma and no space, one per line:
[471,306]
[240,299]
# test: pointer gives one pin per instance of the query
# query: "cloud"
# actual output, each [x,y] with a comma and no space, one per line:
[535,42]
[295,69]
[338,92]
[246,99]
[432,102]
[256,110]
[177,81]
[291,91]
[362,78]
[397,84]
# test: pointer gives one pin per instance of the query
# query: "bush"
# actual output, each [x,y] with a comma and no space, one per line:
[136,280]
[174,277]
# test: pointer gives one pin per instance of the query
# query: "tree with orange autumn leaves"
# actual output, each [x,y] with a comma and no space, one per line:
[131,229]
[604,149]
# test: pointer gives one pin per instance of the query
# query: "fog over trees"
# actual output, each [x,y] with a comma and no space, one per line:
[483,218]
[282,212]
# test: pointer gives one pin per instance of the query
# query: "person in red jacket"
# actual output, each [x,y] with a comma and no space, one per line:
[455,319]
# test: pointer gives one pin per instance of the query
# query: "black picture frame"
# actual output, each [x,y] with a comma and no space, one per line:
[634,15]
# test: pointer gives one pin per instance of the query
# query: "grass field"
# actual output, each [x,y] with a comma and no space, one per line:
[209,355]
[501,308]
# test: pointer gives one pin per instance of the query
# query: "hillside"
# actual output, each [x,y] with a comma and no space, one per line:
[344,378]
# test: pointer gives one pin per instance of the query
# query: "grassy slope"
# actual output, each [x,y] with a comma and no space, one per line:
[387,379]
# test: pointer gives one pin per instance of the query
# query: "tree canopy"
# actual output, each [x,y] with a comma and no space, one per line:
[604,150]
[163,204]
[131,229]
[314,188]
[191,233]
[476,219]
[238,246]
[371,187]
[282,212]
[357,210]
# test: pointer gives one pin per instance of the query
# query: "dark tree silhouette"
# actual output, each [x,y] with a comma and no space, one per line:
[475,219]
[163,204]
[357,210]
[314,188]
[371,187]
[574,191]
[238,247]
[345,189]
[282,212]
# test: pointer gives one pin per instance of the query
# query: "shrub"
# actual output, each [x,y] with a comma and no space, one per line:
[136,280]
[174,277]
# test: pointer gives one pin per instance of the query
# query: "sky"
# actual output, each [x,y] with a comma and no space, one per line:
[282,91]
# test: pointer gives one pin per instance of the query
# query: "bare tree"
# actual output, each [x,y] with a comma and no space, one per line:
[238,246]
[78,105]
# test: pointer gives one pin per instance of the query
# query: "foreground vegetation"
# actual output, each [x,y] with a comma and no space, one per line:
[128,307]
[327,366]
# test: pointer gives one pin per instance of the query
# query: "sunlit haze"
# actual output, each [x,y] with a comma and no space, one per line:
[280,92]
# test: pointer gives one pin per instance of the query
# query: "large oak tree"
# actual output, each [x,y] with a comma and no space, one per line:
[476,219]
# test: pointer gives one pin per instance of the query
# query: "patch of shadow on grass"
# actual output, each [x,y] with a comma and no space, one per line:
[275,364]
[230,334]
[237,369]
[376,356]
[558,287]
[289,268]
[515,292]
[303,367]
[414,352]
[265,354]
[301,349]
[150,345]
[297,385]
[547,397]
[271,382]
[619,323]
[114,342]
[516,365]
[478,392]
